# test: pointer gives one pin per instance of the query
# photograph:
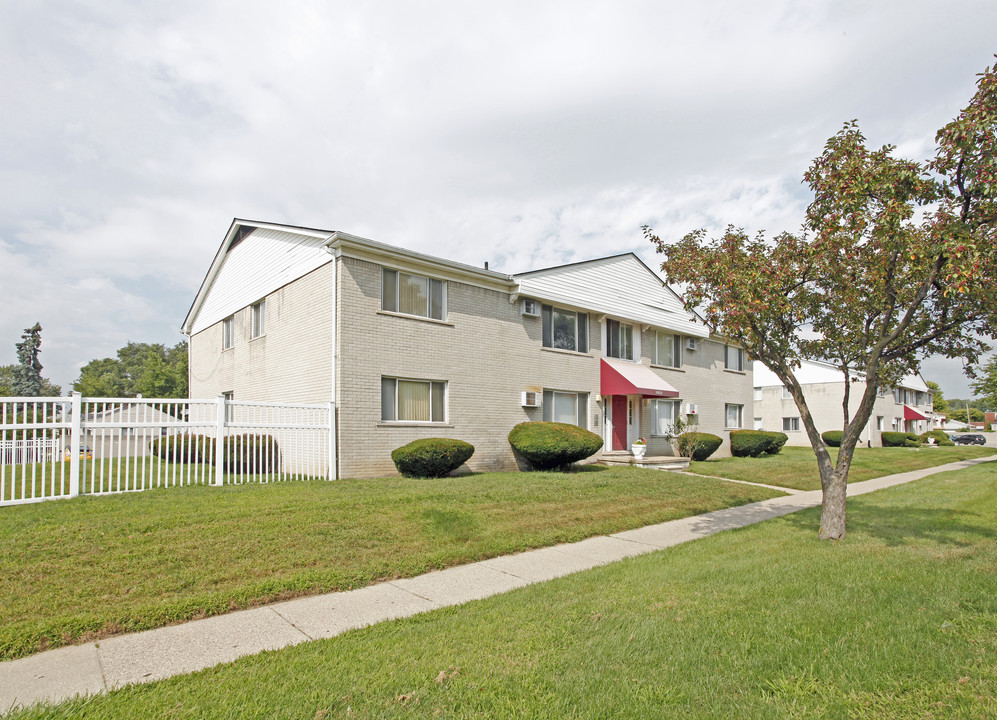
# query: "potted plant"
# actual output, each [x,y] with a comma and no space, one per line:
[639,447]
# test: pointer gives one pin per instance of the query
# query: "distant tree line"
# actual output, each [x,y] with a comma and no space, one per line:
[146,369]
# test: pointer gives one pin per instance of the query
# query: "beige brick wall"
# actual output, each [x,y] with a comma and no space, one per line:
[292,362]
[704,381]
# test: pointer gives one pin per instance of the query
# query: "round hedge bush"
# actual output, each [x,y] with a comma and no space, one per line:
[550,445]
[894,439]
[940,436]
[752,443]
[698,445]
[431,457]
[832,438]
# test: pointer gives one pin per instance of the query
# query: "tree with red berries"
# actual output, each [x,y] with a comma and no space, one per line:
[896,261]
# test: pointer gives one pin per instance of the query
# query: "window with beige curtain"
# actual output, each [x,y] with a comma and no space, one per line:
[413,400]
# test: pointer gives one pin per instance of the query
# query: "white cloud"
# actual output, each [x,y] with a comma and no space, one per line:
[544,132]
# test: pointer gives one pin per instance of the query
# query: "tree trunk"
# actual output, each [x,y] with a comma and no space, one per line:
[832,507]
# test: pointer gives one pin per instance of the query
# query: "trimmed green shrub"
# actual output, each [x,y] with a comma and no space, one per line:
[894,439]
[183,448]
[242,453]
[698,445]
[549,445]
[249,454]
[778,439]
[431,457]
[941,438]
[749,443]
[832,438]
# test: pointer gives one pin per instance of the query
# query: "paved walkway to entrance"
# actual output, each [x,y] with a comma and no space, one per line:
[156,654]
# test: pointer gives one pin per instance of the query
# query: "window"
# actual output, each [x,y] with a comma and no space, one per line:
[413,294]
[879,423]
[663,414]
[413,400]
[790,424]
[758,394]
[228,333]
[229,410]
[898,396]
[259,318]
[733,358]
[787,394]
[733,415]
[566,407]
[565,329]
[667,350]
[619,340]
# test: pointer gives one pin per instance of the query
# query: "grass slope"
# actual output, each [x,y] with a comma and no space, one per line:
[90,567]
[795,467]
[899,620]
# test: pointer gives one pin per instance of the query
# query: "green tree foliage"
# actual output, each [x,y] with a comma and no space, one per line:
[150,370]
[986,384]
[975,415]
[9,372]
[28,371]
[896,261]
[939,403]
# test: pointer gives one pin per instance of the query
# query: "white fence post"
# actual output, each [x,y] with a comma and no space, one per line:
[222,416]
[333,474]
[76,420]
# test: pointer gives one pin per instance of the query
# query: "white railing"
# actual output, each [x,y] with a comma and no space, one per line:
[64,447]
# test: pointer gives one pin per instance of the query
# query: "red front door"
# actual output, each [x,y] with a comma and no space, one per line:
[619,422]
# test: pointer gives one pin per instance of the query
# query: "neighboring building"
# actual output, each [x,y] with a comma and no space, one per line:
[410,346]
[905,408]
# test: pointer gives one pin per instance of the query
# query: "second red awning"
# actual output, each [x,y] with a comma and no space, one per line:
[623,378]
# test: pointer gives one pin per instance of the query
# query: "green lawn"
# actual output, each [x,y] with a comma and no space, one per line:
[796,467]
[897,621]
[78,569]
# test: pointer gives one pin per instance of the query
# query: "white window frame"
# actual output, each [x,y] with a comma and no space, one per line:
[740,416]
[657,405]
[581,332]
[791,424]
[228,333]
[620,335]
[738,365]
[259,312]
[756,393]
[389,414]
[581,406]
[436,289]
[787,394]
[676,341]
[879,423]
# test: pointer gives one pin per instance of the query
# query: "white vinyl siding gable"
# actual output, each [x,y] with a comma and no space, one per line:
[260,263]
[618,286]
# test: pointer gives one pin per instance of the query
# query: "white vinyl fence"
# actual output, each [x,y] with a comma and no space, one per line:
[64,447]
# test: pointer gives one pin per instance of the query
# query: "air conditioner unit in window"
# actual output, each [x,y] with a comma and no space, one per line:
[691,409]
[531,399]
[531,308]
[691,344]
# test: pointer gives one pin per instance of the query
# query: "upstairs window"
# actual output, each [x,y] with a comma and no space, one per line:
[413,400]
[402,292]
[619,340]
[734,358]
[228,333]
[259,318]
[667,350]
[565,329]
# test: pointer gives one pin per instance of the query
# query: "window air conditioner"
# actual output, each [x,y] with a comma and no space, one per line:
[691,343]
[691,408]
[531,399]
[531,308]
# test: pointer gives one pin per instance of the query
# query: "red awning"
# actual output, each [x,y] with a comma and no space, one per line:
[912,414]
[623,378]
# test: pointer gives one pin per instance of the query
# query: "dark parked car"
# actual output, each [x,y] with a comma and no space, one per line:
[969,439]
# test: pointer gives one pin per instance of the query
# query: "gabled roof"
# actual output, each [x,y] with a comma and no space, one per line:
[620,286]
[812,372]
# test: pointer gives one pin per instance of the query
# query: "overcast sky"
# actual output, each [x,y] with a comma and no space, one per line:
[527,134]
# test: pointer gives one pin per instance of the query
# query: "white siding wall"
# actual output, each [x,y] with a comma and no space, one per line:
[265,260]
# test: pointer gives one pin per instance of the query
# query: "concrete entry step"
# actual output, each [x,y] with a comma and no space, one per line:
[652,462]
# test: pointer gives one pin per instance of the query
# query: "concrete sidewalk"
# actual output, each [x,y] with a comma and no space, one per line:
[156,654]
